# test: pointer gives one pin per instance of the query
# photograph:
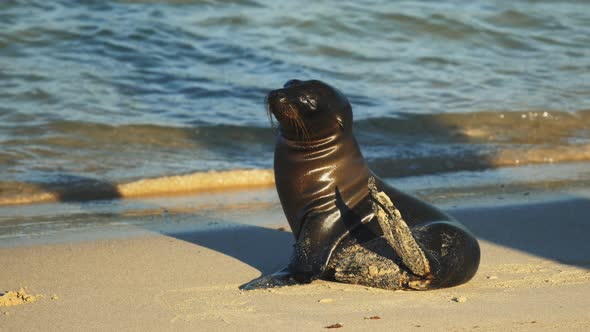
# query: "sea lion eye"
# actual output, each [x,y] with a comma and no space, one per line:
[309,101]
[340,122]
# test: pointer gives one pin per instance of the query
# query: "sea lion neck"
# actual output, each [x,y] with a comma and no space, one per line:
[309,146]
[308,176]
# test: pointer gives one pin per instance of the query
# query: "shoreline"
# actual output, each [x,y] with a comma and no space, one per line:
[534,276]
[536,175]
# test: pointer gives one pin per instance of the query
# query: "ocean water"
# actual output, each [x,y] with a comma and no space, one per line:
[96,94]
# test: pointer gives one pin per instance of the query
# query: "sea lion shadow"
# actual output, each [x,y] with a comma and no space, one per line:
[554,230]
[265,249]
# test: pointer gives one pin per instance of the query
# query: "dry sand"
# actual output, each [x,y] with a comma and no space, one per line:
[534,276]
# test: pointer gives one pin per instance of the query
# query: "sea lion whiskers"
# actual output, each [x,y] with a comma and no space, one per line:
[290,115]
[299,124]
[269,115]
[293,123]
[285,109]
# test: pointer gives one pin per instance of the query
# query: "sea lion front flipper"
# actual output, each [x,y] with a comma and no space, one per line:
[397,233]
[277,279]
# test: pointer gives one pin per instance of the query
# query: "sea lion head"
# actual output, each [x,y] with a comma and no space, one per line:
[309,110]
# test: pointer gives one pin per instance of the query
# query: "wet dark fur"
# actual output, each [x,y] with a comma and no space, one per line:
[321,178]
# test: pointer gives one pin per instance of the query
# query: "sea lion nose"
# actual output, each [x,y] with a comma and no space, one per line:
[291,83]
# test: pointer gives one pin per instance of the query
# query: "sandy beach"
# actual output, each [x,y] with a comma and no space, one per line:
[139,141]
[534,276]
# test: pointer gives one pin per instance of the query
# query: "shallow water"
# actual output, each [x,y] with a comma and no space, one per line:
[66,221]
[118,91]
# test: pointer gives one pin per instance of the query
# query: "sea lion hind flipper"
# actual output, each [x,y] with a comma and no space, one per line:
[397,233]
[363,265]
[374,264]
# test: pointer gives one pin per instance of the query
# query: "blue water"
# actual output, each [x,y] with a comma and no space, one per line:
[121,90]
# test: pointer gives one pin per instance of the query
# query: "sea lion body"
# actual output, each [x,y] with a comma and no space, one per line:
[321,179]
[308,193]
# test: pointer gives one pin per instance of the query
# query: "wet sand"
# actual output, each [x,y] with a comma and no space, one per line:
[534,276]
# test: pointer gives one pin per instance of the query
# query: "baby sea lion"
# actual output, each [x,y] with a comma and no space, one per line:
[349,225]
